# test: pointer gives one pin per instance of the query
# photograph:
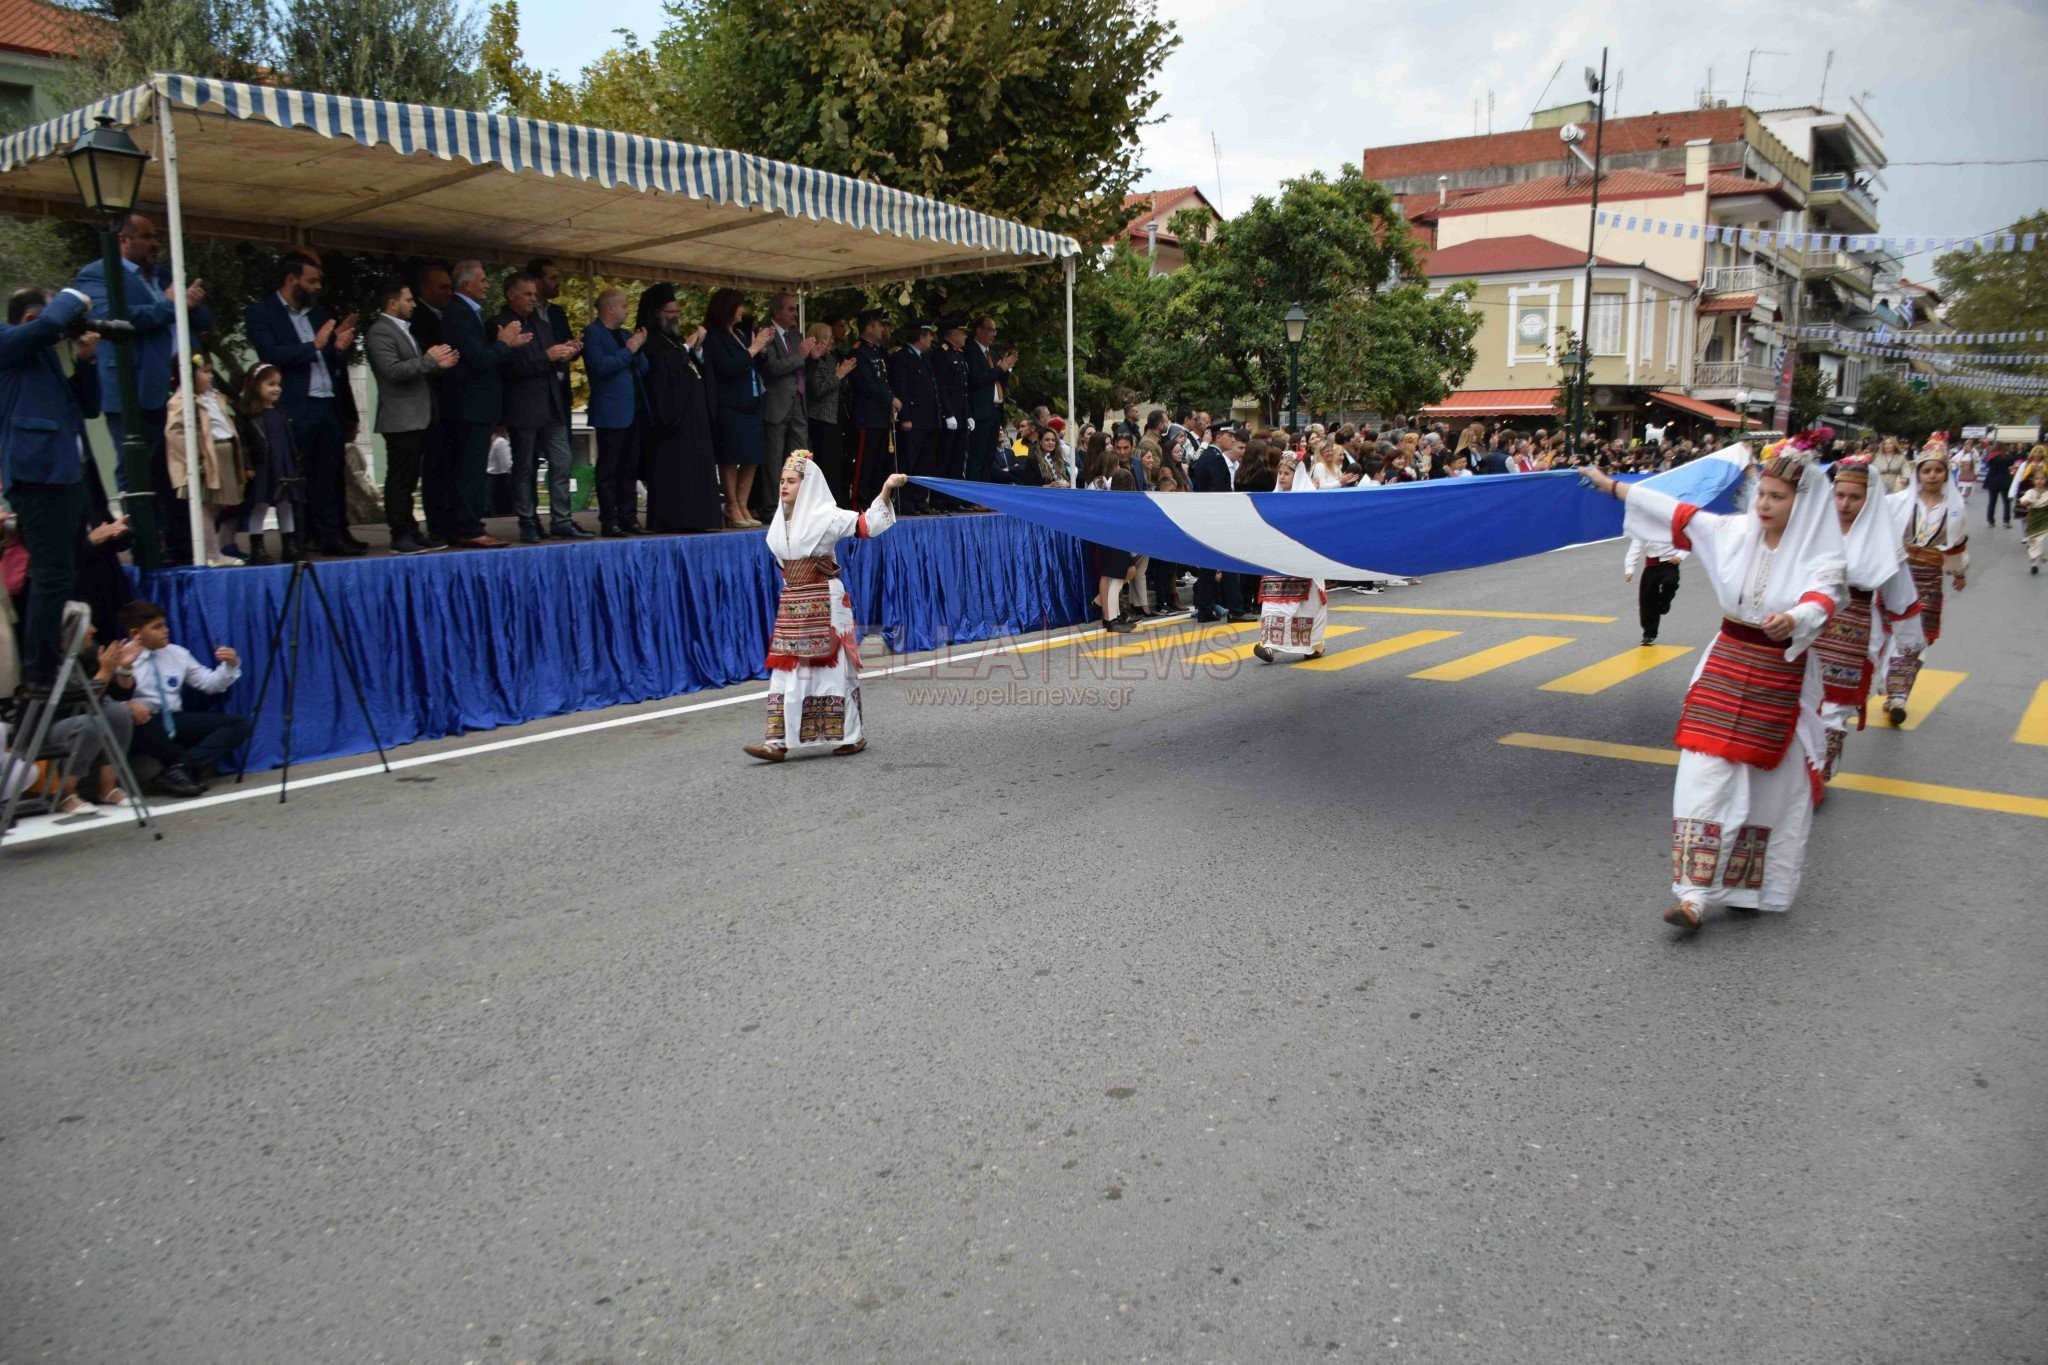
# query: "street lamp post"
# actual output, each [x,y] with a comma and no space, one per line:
[1742,411]
[1296,323]
[107,167]
[1573,363]
[1597,86]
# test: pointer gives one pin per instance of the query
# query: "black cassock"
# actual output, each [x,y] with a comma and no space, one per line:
[676,460]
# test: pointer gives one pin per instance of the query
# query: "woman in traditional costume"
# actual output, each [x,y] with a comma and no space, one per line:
[1881,599]
[1929,514]
[1293,612]
[814,654]
[1750,739]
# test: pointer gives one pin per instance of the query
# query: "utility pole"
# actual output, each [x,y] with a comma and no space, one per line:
[1585,403]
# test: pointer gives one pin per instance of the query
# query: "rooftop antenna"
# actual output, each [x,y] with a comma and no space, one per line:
[1475,116]
[1707,99]
[1489,113]
[1754,53]
[1216,150]
[1826,69]
[1546,90]
[1620,75]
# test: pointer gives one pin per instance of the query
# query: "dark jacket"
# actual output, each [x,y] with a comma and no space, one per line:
[474,390]
[533,396]
[735,384]
[42,411]
[156,335]
[949,370]
[558,327]
[1211,472]
[911,379]
[268,325]
[868,406]
[983,378]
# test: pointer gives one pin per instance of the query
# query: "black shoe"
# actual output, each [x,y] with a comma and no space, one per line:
[1205,618]
[355,546]
[569,530]
[259,552]
[429,541]
[612,532]
[1240,616]
[407,545]
[342,549]
[529,535]
[1118,626]
[1262,654]
[1649,639]
[1895,714]
[175,781]
[289,550]
[634,528]
[2033,568]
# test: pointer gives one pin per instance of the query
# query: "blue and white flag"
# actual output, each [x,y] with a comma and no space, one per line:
[1395,531]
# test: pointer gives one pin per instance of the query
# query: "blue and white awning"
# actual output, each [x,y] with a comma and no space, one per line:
[1399,531]
[416,178]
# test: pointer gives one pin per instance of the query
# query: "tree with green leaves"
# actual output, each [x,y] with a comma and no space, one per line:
[621,89]
[1811,391]
[418,51]
[1891,406]
[1393,352]
[2001,291]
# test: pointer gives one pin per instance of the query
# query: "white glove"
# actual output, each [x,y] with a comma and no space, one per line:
[970,424]
[953,424]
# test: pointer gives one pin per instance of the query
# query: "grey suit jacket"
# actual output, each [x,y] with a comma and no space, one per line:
[405,377]
[779,364]
[821,388]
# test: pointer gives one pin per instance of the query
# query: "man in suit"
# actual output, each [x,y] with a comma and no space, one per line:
[155,317]
[406,406]
[918,423]
[290,329]
[615,364]
[785,419]
[949,370]
[871,410]
[1129,426]
[1215,471]
[535,412]
[543,269]
[42,459]
[987,379]
[473,396]
[433,289]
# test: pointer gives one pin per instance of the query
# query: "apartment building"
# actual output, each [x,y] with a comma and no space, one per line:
[1149,230]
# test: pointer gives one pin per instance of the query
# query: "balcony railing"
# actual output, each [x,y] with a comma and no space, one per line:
[1734,374]
[1840,182]
[1736,279]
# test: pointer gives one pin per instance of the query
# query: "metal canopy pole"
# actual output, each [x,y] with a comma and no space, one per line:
[195,477]
[1073,422]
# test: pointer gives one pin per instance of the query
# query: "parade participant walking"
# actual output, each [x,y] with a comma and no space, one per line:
[1657,562]
[1293,612]
[814,653]
[1877,579]
[1931,517]
[2034,509]
[1750,739]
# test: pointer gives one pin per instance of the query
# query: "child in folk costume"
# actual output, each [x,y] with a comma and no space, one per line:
[1750,739]
[814,654]
[1293,612]
[2034,509]
[1881,598]
[1929,514]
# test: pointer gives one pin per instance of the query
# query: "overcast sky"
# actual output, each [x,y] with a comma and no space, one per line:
[1289,86]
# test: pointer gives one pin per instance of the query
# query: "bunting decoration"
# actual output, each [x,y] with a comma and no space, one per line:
[1884,336]
[1765,239]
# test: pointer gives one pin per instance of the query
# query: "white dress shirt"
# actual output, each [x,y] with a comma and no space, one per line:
[161,675]
[320,381]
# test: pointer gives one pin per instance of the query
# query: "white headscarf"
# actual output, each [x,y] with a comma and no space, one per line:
[1811,553]
[815,523]
[1903,502]
[1872,542]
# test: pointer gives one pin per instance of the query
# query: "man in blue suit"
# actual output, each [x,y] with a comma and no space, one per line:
[152,310]
[42,459]
[612,359]
[289,329]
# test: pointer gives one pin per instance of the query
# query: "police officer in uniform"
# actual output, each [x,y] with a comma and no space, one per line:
[949,370]
[871,410]
[918,424]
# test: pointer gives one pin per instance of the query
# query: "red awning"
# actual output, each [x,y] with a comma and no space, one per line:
[1728,303]
[1719,416]
[1496,403]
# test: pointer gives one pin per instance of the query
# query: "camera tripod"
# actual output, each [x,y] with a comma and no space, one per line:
[292,610]
[41,713]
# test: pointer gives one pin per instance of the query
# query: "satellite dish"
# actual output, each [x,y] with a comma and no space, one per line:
[1571,134]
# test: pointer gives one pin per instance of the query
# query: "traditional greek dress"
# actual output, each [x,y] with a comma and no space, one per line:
[1750,740]
[814,653]
[1294,612]
[1937,545]
[2034,502]
[1881,602]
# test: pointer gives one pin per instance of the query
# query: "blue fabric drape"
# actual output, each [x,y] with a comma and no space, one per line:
[467,641]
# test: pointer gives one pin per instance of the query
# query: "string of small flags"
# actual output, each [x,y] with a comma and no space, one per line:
[1992,383]
[1768,238]
[1883,336]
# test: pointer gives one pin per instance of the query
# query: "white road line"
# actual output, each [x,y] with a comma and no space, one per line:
[38,828]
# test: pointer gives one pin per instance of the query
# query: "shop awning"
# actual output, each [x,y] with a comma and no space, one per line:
[1694,407]
[1728,303]
[1496,403]
[264,164]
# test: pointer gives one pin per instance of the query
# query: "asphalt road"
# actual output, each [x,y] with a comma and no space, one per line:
[1266,1014]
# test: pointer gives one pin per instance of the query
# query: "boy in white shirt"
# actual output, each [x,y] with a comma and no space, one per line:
[187,743]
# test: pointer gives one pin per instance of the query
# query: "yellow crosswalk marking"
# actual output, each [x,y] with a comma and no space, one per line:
[1619,669]
[2034,724]
[1192,639]
[1929,690]
[1379,649]
[1486,660]
[1234,653]
[2005,803]
[1495,615]
[1086,636]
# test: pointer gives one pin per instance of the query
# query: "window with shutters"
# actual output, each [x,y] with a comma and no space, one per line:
[1646,327]
[1603,326]
[1672,316]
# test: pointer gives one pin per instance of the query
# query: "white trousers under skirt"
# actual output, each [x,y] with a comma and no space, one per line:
[1738,833]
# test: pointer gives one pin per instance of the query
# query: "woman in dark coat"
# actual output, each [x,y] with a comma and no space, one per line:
[729,351]
[675,422]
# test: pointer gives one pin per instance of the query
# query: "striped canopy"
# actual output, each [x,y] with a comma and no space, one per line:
[265,164]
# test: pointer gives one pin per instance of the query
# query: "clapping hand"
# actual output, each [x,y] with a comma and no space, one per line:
[1010,361]
[345,335]
[761,340]
[324,334]
[695,338]
[226,655]
[513,333]
[637,340]
[108,530]
[444,356]
[845,366]
[564,350]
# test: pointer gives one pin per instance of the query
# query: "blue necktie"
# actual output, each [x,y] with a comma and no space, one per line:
[163,700]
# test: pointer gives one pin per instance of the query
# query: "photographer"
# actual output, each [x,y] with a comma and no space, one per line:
[42,456]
